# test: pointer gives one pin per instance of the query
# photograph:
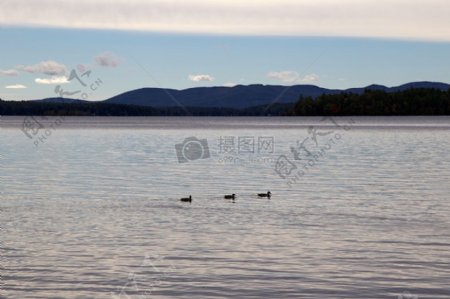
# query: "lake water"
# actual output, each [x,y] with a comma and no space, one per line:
[359,209]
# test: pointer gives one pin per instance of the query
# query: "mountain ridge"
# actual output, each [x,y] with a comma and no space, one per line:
[238,97]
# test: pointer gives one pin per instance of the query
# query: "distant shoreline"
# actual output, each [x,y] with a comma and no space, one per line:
[372,102]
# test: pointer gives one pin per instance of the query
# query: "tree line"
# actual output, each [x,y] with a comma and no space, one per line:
[105,109]
[376,102]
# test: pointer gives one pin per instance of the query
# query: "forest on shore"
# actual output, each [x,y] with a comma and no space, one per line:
[376,102]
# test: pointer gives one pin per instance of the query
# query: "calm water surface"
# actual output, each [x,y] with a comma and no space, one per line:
[90,208]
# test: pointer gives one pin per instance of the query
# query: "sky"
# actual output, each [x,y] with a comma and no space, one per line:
[98,49]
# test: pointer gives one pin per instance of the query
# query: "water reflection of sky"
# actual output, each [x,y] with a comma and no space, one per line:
[81,213]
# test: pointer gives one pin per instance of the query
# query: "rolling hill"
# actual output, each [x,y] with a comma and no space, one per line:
[242,96]
[237,97]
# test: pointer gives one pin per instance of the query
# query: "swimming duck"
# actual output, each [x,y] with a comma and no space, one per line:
[186,199]
[268,194]
[232,196]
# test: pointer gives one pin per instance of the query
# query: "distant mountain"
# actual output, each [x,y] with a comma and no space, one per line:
[434,85]
[419,98]
[237,97]
[228,97]
[370,87]
[241,96]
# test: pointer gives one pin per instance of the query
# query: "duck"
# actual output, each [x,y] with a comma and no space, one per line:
[268,194]
[232,196]
[186,199]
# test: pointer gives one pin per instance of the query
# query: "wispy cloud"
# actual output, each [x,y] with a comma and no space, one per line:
[52,80]
[311,78]
[48,67]
[293,77]
[10,73]
[284,76]
[412,19]
[107,59]
[15,86]
[201,78]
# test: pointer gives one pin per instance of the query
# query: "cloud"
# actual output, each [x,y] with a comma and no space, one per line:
[48,67]
[293,77]
[107,59]
[16,86]
[230,84]
[311,78]
[410,19]
[201,78]
[284,76]
[9,73]
[52,80]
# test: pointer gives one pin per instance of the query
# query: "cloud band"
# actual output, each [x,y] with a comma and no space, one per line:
[410,19]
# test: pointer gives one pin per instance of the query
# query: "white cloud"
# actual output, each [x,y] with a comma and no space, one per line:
[293,77]
[284,76]
[412,19]
[48,67]
[230,84]
[107,59]
[52,80]
[9,73]
[200,78]
[16,86]
[311,78]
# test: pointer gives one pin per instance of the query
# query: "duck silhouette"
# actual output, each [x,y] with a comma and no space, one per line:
[186,199]
[232,196]
[267,195]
